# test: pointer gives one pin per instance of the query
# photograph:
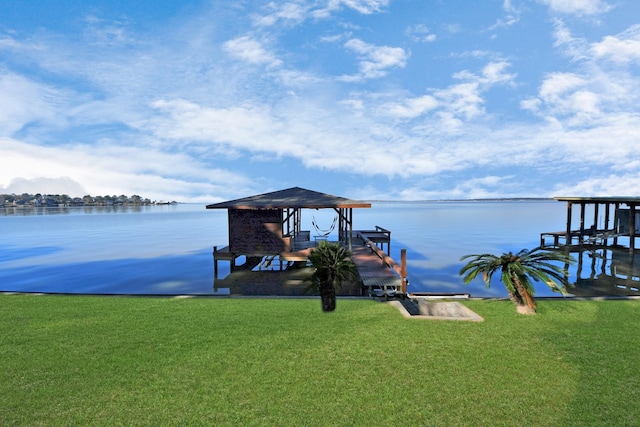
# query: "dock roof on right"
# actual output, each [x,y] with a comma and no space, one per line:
[628,200]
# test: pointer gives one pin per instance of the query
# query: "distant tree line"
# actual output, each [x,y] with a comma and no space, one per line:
[51,200]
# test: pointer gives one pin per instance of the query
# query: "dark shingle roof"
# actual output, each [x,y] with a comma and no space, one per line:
[295,197]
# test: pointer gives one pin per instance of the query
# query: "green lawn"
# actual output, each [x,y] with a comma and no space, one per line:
[163,361]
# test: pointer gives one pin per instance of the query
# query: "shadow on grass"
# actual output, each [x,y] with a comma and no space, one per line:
[601,355]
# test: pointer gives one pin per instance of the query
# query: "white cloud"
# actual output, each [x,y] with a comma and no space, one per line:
[292,13]
[601,87]
[288,12]
[363,6]
[621,49]
[495,72]
[578,7]
[557,84]
[375,61]
[575,48]
[618,184]
[112,169]
[420,33]
[240,127]
[566,97]
[511,17]
[107,33]
[411,107]
[486,187]
[23,102]
[60,185]
[508,6]
[252,51]
[464,101]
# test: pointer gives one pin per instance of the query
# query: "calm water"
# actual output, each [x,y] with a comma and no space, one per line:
[168,249]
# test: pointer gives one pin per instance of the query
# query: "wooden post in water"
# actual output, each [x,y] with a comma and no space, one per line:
[616,221]
[632,227]
[568,235]
[403,270]
[215,262]
[582,210]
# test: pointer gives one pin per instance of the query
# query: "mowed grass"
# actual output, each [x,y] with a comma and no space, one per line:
[78,360]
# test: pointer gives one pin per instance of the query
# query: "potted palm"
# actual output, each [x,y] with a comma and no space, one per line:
[332,266]
[517,270]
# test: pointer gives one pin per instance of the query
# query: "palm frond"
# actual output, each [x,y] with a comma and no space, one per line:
[518,270]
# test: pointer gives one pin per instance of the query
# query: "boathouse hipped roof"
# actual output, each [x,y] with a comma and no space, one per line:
[295,197]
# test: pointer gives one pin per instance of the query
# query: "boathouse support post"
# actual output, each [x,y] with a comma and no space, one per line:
[596,208]
[616,226]
[215,262]
[350,210]
[583,205]
[568,237]
[632,227]
[341,225]
[403,270]
[345,226]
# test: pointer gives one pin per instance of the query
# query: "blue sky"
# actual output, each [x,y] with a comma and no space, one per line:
[205,101]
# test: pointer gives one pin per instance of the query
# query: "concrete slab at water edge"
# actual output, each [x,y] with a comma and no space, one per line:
[423,309]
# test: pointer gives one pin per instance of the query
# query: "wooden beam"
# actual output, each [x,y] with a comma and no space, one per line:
[569,213]
[632,227]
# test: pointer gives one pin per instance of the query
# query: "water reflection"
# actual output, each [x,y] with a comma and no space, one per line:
[606,271]
[66,210]
[266,276]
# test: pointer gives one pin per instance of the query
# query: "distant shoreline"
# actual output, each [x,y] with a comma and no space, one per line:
[39,200]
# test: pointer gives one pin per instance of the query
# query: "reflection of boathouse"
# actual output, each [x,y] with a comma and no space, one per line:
[601,234]
[606,272]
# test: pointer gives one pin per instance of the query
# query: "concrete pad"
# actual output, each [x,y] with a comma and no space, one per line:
[438,311]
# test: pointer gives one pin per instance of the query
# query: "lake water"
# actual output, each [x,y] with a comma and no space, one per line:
[168,249]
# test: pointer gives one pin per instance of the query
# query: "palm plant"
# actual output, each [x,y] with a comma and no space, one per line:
[332,266]
[517,270]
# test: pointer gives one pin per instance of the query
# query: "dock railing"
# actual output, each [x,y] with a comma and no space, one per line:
[399,269]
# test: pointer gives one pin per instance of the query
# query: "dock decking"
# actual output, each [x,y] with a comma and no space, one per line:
[579,237]
[377,278]
[381,275]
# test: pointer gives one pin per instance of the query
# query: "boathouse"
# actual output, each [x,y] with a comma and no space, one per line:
[267,229]
[270,224]
[601,221]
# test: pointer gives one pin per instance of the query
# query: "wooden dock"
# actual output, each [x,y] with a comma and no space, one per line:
[381,275]
[617,222]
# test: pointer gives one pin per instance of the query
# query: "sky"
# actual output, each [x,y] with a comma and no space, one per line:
[206,101]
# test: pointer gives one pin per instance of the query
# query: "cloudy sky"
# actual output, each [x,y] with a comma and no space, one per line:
[206,101]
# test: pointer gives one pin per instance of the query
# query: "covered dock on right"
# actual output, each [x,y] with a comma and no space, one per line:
[601,221]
